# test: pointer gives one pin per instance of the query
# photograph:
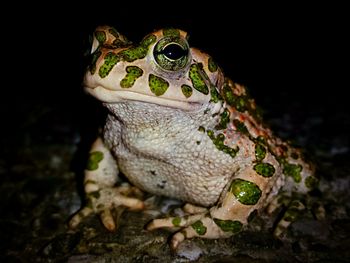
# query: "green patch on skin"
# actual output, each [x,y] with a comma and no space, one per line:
[157,85]
[94,159]
[224,120]
[138,52]
[133,73]
[261,139]
[212,66]
[195,74]
[176,221]
[240,126]
[215,95]
[240,103]
[199,227]
[247,193]
[311,182]
[264,169]
[171,32]
[293,170]
[94,58]
[229,225]
[186,90]
[260,152]
[109,61]
[100,36]
[201,129]
[148,40]
[228,95]
[133,53]
[219,144]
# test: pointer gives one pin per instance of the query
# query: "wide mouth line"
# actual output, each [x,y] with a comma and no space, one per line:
[122,95]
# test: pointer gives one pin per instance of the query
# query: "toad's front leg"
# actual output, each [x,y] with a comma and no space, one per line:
[243,196]
[101,194]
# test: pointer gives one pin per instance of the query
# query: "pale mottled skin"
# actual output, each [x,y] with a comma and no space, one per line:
[178,127]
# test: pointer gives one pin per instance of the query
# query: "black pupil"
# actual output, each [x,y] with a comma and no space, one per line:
[174,51]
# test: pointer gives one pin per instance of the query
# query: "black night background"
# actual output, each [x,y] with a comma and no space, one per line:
[293,59]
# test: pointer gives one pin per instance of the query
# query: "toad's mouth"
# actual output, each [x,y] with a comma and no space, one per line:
[115,96]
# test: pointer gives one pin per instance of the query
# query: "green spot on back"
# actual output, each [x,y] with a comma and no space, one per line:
[228,95]
[100,36]
[219,144]
[157,85]
[264,169]
[225,118]
[260,152]
[240,126]
[148,40]
[215,95]
[199,227]
[94,159]
[212,66]
[261,139]
[239,102]
[247,193]
[186,90]
[133,73]
[109,61]
[293,170]
[229,225]
[172,32]
[195,74]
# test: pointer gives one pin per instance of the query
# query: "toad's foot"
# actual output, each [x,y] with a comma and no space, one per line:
[103,201]
[196,225]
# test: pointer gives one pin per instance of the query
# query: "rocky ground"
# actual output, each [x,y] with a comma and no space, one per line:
[41,164]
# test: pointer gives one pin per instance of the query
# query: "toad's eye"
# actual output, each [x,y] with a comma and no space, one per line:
[174,51]
[171,53]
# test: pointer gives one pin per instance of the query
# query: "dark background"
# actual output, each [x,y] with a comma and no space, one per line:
[293,58]
[282,53]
